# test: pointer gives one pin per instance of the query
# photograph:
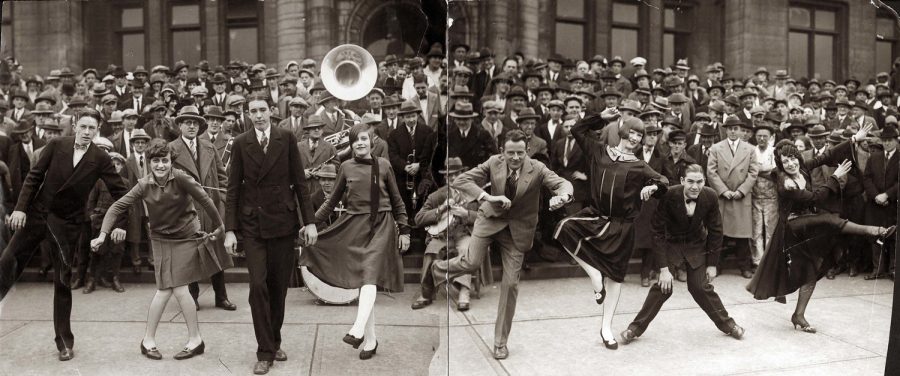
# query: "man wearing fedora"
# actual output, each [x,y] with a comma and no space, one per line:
[315,153]
[428,102]
[880,182]
[410,148]
[20,157]
[448,216]
[214,132]
[732,171]
[198,158]
[332,114]
[551,130]
[390,121]
[53,199]
[472,144]
[120,89]
[219,89]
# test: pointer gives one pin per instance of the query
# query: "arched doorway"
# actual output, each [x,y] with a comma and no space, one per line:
[400,27]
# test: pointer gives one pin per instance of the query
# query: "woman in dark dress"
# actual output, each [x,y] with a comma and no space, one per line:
[181,252]
[360,249]
[798,255]
[601,236]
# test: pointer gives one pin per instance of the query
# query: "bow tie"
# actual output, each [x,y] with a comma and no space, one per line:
[690,200]
[80,147]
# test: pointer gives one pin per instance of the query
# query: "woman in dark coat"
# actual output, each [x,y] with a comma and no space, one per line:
[360,249]
[798,255]
[181,252]
[601,236]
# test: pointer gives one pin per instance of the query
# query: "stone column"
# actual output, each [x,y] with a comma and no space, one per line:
[755,35]
[858,54]
[529,18]
[157,34]
[215,42]
[291,24]
[48,36]
[498,28]
[321,26]
[268,27]
[653,35]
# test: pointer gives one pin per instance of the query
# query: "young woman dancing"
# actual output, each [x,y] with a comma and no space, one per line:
[359,250]
[798,255]
[601,236]
[181,252]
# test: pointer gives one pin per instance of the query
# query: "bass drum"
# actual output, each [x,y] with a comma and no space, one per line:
[325,292]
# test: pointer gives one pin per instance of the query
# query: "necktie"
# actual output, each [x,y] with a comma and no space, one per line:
[212,138]
[566,153]
[264,142]
[137,105]
[312,149]
[510,191]
[141,163]
[193,148]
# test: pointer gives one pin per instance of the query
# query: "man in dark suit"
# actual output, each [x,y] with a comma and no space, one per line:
[551,130]
[687,228]
[700,151]
[410,148]
[567,160]
[20,156]
[54,197]
[198,158]
[472,144]
[880,182]
[507,216]
[214,119]
[135,100]
[265,187]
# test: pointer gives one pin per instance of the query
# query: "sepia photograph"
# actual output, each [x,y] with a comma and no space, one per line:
[449,187]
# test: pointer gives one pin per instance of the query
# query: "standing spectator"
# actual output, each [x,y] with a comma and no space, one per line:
[764,194]
[732,171]
[880,182]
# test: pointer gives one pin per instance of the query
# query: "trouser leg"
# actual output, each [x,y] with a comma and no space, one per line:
[705,296]
[512,258]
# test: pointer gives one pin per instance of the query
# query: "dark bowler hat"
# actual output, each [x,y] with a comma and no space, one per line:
[391,101]
[516,92]
[708,130]
[888,132]
[610,91]
[732,121]
[314,121]
[795,124]
[22,126]
[452,166]
[835,137]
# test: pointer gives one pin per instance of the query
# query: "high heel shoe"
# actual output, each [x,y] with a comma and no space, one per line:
[152,353]
[611,344]
[190,353]
[599,297]
[801,324]
[367,354]
[886,234]
[353,341]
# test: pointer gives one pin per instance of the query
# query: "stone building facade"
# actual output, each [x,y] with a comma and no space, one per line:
[825,38]
[43,35]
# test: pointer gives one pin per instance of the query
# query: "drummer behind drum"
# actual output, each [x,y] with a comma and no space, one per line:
[448,218]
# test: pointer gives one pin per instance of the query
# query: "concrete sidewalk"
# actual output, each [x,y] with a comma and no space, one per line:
[555,333]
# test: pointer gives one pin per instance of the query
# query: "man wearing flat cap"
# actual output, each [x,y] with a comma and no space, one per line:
[315,153]
[294,120]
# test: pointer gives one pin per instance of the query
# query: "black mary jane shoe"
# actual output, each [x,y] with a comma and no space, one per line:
[367,354]
[611,344]
[152,353]
[190,353]
[599,297]
[353,341]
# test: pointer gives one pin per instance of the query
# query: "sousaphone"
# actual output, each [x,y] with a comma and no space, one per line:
[349,72]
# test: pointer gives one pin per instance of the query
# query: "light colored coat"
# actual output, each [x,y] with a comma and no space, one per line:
[738,172]
[521,217]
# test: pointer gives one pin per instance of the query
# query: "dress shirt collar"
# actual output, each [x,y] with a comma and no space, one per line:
[264,133]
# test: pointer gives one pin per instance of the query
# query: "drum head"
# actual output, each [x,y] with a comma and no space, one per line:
[326,292]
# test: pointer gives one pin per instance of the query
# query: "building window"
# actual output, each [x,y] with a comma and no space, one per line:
[885,43]
[6,32]
[130,33]
[242,28]
[677,31]
[570,28]
[185,34]
[813,42]
[625,33]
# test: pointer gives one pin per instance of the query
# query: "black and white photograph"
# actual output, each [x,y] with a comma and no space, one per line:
[449,187]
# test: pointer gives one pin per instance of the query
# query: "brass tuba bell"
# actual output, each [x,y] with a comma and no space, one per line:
[349,72]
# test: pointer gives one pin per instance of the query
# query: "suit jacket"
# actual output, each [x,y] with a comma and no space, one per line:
[207,170]
[696,239]
[325,153]
[114,90]
[660,163]
[54,185]
[837,123]
[216,101]
[737,172]
[543,131]
[265,188]
[576,162]
[522,215]
[696,152]
[474,149]
[881,177]
[434,111]
[384,130]
[220,144]
[296,129]
[400,145]
[127,101]
[19,165]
